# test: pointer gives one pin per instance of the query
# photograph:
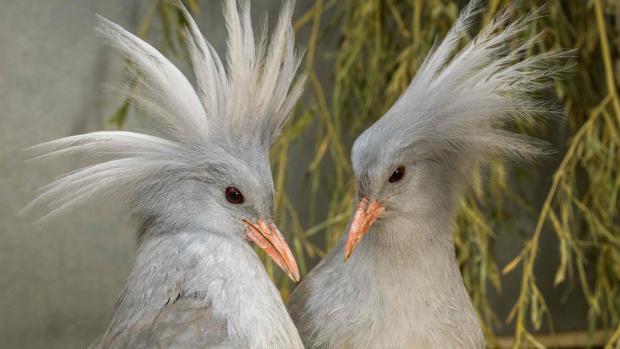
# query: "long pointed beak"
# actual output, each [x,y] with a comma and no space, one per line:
[365,215]
[269,238]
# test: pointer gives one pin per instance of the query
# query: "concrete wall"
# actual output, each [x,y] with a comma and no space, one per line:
[58,280]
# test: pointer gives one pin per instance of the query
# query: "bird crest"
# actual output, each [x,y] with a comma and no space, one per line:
[460,98]
[232,110]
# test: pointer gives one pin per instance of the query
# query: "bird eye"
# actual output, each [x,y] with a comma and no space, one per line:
[233,195]
[397,175]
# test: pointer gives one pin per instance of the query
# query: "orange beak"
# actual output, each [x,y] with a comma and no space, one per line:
[365,215]
[269,238]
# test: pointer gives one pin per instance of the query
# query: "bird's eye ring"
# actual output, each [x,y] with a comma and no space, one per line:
[397,175]
[233,195]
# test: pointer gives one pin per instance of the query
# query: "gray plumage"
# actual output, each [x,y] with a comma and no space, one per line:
[401,287]
[196,281]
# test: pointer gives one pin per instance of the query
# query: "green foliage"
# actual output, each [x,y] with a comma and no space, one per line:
[380,45]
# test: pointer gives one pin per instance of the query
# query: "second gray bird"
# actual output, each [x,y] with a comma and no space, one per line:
[393,280]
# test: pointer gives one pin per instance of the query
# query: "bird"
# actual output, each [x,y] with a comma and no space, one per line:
[393,280]
[199,188]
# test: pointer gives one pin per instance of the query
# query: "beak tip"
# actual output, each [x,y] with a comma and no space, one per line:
[294,275]
[269,238]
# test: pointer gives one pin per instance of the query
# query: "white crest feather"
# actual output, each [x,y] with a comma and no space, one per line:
[246,105]
[459,100]
[259,92]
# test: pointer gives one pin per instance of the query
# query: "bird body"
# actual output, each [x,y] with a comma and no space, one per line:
[185,291]
[414,302]
[393,281]
[200,191]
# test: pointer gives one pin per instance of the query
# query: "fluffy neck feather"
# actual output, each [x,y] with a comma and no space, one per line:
[416,278]
[218,271]
[401,288]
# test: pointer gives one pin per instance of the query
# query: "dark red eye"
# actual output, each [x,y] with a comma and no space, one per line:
[233,195]
[397,175]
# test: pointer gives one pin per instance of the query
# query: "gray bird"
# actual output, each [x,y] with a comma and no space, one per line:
[401,287]
[200,191]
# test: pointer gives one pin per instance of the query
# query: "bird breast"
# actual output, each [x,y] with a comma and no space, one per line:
[372,302]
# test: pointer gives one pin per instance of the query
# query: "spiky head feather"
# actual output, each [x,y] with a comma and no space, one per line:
[228,121]
[455,108]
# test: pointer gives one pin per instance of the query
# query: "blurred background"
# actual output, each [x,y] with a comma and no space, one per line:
[539,244]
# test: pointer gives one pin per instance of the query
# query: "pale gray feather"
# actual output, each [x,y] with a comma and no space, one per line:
[196,281]
[402,287]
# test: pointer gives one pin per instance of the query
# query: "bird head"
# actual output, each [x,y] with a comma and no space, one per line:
[412,161]
[208,166]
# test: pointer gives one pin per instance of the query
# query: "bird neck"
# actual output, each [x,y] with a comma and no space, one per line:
[411,263]
[414,247]
[214,270]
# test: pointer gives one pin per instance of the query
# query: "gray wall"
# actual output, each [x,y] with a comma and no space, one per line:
[58,280]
